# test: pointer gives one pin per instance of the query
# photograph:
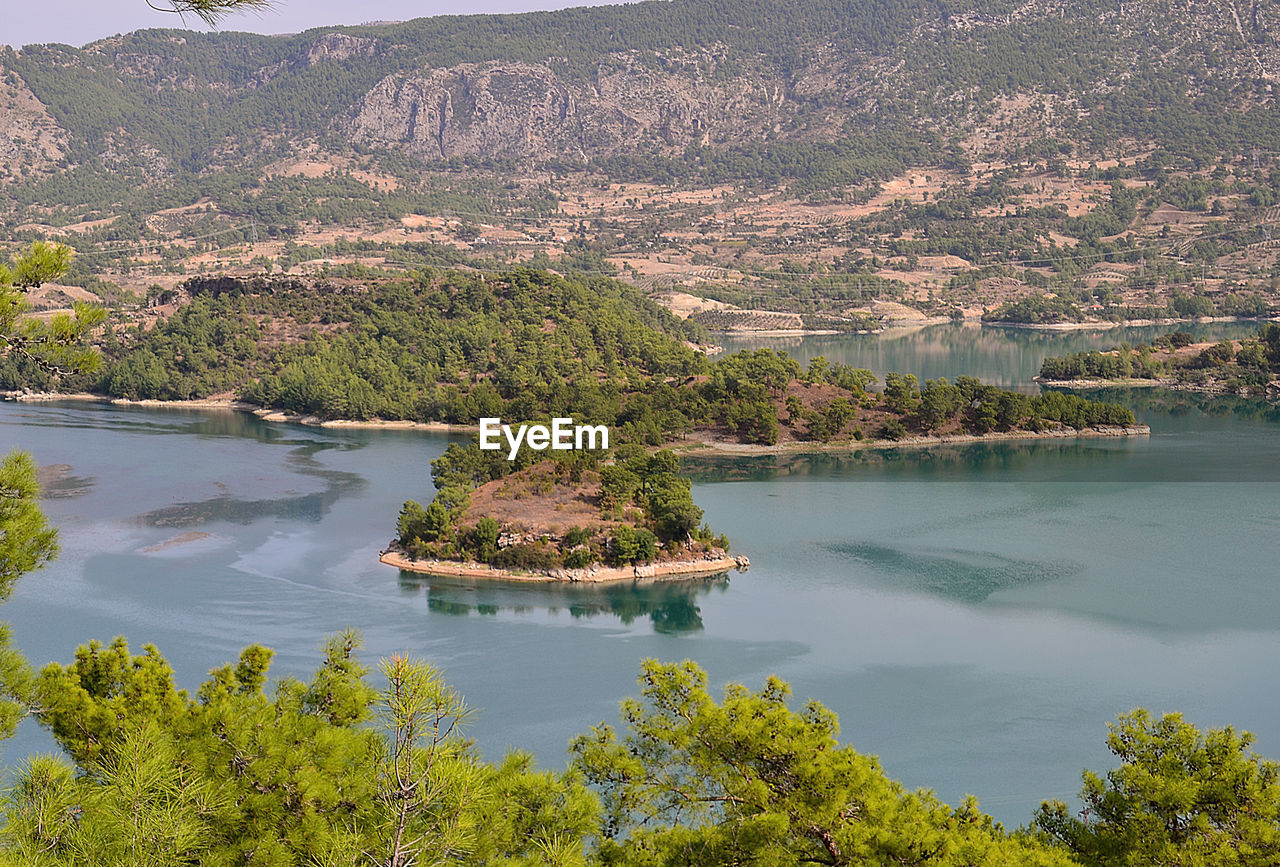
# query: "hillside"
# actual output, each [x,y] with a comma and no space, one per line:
[808,157]
[660,77]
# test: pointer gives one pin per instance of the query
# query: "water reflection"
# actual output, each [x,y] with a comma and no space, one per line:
[1083,459]
[309,507]
[1182,404]
[1174,452]
[1008,357]
[210,423]
[671,606]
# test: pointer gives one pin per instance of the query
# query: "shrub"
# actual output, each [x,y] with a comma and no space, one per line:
[578,558]
[633,545]
[893,429]
[528,558]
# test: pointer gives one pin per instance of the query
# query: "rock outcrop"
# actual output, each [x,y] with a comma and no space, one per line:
[523,110]
[30,139]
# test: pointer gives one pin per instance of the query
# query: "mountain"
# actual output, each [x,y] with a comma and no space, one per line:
[735,77]
[986,131]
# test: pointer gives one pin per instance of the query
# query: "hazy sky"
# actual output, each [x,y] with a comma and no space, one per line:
[76,22]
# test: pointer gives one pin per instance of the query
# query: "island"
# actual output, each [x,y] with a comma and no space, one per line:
[627,513]
[577,518]
[1245,367]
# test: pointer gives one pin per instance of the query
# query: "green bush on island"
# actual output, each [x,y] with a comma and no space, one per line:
[633,545]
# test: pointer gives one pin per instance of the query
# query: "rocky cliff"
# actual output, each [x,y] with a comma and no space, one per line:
[523,110]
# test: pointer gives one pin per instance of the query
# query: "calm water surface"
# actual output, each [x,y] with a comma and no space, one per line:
[1005,356]
[975,615]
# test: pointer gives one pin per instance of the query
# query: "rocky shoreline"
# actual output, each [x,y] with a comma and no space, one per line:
[800,448]
[1272,391]
[697,568]
[1082,384]
[1107,324]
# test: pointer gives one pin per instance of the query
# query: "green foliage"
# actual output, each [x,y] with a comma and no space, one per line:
[1116,364]
[417,527]
[747,780]
[455,348]
[482,541]
[1077,412]
[653,481]
[105,692]
[575,536]
[901,394]
[619,483]
[27,542]
[939,401]
[325,772]
[1190,306]
[467,466]
[1247,368]
[633,545]
[211,11]
[1037,310]
[893,430]
[671,507]
[525,557]
[1179,797]
[56,345]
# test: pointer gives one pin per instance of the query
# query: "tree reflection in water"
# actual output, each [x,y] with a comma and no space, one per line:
[671,606]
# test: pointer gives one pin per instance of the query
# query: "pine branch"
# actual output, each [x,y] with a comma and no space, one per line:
[211,12]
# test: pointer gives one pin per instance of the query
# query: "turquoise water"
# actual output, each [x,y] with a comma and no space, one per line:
[974,614]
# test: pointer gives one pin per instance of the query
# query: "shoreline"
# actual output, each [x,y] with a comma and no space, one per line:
[265,413]
[697,449]
[774,332]
[700,568]
[685,446]
[1087,325]
[1085,384]
[1107,325]
[1272,389]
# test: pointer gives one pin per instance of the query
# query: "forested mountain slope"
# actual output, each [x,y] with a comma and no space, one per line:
[826,90]
[1036,162]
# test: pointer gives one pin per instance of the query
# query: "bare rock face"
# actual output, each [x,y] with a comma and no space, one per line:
[521,110]
[498,109]
[30,139]
[337,46]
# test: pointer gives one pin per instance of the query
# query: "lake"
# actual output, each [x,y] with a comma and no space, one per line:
[974,614]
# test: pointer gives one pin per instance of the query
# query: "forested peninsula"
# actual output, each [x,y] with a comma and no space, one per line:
[1247,367]
[457,346]
[453,347]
